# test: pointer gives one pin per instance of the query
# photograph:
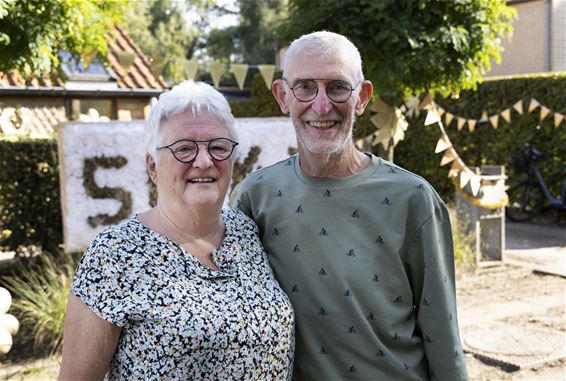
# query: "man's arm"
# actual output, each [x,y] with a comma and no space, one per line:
[432,258]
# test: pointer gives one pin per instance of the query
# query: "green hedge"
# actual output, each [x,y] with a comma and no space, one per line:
[29,183]
[29,194]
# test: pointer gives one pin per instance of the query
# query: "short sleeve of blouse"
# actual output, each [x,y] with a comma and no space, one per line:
[99,279]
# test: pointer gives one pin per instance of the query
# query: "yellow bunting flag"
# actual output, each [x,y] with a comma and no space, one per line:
[431,117]
[506,114]
[465,177]
[240,71]
[442,145]
[544,111]
[267,72]
[440,110]
[519,107]
[558,118]
[455,168]
[449,156]
[216,69]
[426,103]
[126,59]
[484,117]
[472,124]
[461,123]
[534,104]
[190,67]
[87,58]
[494,120]
[448,118]
[475,184]
[157,67]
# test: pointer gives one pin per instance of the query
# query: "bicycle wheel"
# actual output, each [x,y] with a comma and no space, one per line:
[526,200]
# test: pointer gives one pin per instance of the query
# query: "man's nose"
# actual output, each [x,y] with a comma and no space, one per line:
[203,159]
[321,104]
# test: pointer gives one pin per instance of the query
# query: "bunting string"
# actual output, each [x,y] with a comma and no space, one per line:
[494,119]
[480,190]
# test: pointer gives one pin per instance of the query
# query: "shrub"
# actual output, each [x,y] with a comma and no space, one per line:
[40,293]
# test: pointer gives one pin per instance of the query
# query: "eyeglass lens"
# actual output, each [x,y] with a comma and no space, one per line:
[305,90]
[187,150]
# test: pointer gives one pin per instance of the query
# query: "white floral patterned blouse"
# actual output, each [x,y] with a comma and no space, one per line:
[182,320]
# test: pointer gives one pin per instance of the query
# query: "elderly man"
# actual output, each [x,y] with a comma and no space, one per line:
[362,247]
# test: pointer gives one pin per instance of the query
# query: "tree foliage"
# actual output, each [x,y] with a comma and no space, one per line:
[254,40]
[412,46]
[164,32]
[33,32]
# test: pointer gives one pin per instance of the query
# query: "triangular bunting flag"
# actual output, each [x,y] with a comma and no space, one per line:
[475,184]
[455,168]
[240,71]
[267,72]
[190,67]
[442,145]
[448,118]
[484,117]
[413,106]
[216,69]
[426,103]
[558,118]
[506,114]
[157,67]
[431,117]
[465,177]
[449,156]
[440,111]
[87,58]
[126,59]
[519,107]
[534,104]
[472,124]
[494,120]
[461,123]
[544,111]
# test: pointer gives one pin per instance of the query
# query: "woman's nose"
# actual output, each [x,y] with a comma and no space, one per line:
[203,159]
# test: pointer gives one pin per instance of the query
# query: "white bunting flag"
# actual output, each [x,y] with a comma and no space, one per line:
[442,145]
[534,104]
[519,107]
[216,69]
[465,177]
[449,156]
[190,67]
[455,168]
[558,118]
[494,120]
[267,72]
[506,114]
[475,184]
[431,117]
[240,71]
[544,111]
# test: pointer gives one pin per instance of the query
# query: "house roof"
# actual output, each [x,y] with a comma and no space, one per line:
[138,79]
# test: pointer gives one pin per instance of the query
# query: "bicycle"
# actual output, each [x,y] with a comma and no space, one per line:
[531,196]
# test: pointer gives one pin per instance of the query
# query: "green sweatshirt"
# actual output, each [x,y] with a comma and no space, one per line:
[367,262]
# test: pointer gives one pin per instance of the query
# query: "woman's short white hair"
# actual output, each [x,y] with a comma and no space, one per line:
[325,44]
[187,96]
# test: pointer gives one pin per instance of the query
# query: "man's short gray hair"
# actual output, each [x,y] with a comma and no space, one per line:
[187,96]
[325,44]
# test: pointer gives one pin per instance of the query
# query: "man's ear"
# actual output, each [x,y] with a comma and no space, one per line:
[364,97]
[279,92]
[150,167]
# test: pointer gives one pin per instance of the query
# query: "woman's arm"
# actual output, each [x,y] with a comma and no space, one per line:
[89,343]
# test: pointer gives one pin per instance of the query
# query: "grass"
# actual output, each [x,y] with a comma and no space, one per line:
[40,300]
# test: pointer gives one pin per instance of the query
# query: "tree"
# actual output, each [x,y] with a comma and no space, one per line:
[254,40]
[33,32]
[164,32]
[411,46]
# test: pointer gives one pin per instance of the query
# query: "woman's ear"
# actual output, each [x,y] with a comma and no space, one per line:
[150,167]
[364,97]
[280,94]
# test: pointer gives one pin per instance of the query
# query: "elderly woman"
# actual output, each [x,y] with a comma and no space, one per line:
[182,291]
